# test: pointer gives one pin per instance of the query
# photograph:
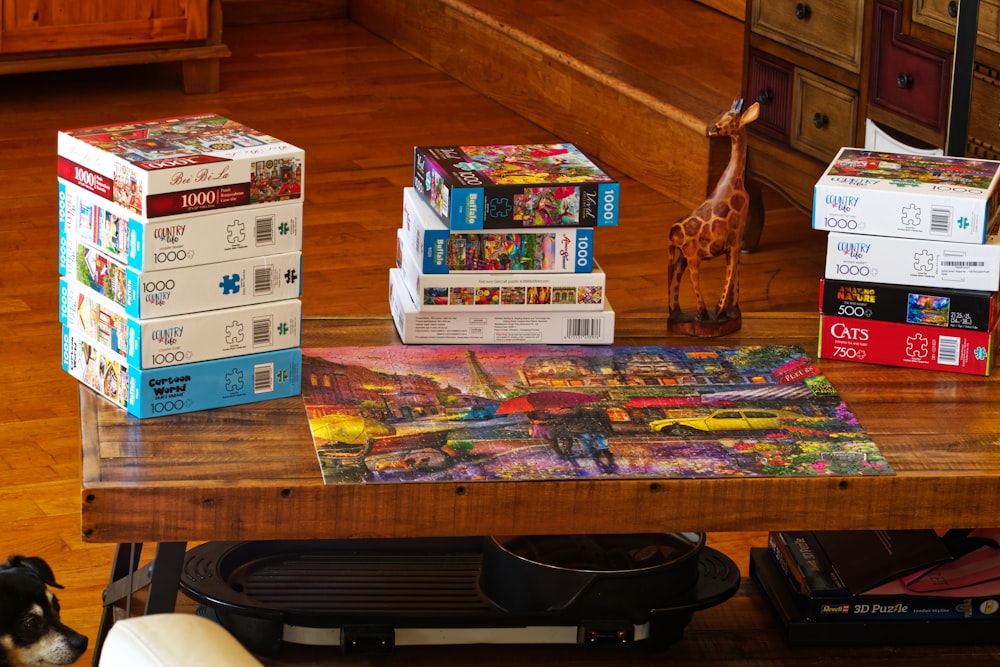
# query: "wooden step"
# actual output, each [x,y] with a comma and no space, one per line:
[635,84]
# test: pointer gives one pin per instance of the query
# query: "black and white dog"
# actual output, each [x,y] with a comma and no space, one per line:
[30,630]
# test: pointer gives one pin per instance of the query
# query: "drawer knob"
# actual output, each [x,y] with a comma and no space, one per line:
[765,96]
[802,11]
[904,80]
[819,120]
[953,9]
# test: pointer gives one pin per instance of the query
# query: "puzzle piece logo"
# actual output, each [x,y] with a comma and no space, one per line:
[234,380]
[284,228]
[962,222]
[230,284]
[923,261]
[500,207]
[916,346]
[283,329]
[980,353]
[282,376]
[911,216]
[291,275]
[236,232]
[234,333]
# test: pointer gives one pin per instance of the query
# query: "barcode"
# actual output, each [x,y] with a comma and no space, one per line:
[263,378]
[958,264]
[262,280]
[941,220]
[578,328]
[262,331]
[948,347]
[265,230]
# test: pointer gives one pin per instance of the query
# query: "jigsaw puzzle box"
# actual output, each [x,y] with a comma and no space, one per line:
[937,307]
[519,185]
[909,196]
[185,388]
[916,262]
[907,345]
[147,294]
[181,339]
[483,291]
[496,327]
[441,250]
[184,164]
[198,238]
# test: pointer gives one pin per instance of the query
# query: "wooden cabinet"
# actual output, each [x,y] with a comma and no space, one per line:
[822,68]
[64,34]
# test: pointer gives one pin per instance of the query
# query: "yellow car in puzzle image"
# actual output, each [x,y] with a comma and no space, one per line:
[730,419]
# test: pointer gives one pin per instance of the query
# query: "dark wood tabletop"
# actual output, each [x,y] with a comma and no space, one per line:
[251,472]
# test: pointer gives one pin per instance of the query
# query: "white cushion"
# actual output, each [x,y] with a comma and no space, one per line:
[167,640]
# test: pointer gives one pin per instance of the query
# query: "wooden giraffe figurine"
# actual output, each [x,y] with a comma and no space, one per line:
[714,228]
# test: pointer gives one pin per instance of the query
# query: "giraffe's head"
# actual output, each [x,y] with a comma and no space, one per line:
[731,121]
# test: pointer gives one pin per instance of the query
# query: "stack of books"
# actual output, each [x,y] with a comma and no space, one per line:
[497,246]
[913,260]
[180,262]
[882,586]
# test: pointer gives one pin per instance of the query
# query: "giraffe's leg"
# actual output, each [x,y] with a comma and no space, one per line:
[675,271]
[694,270]
[730,288]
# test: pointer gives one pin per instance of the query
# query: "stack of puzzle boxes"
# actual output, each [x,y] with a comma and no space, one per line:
[180,257]
[497,246]
[913,260]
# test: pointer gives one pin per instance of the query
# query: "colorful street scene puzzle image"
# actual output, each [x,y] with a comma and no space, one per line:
[537,412]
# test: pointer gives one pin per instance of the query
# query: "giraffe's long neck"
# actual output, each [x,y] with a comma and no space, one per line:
[731,179]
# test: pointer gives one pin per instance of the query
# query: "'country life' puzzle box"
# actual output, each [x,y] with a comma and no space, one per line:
[183,164]
[197,238]
[909,196]
[181,339]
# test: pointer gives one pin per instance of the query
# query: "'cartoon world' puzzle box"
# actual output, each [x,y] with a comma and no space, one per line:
[441,250]
[185,388]
[519,185]
[184,164]
[196,238]
[909,196]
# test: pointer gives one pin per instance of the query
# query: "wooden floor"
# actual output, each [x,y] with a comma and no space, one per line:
[357,106]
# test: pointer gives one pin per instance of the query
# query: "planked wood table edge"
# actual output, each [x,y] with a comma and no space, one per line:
[250,472]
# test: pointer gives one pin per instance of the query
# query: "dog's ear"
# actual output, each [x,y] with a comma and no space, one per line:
[33,563]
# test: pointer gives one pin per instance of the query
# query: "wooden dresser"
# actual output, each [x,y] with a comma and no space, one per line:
[822,69]
[69,34]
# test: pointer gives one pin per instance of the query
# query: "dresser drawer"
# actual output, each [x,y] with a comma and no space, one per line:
[941,14]
[984,113]
[769,81]
[824,116]
[827,29]
[908,78]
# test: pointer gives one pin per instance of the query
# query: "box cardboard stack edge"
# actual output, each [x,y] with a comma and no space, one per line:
[913,260]
[180,262]
[496,245]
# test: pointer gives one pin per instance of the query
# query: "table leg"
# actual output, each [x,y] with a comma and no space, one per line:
[162,576]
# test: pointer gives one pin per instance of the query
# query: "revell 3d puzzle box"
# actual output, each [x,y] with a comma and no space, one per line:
[183,164]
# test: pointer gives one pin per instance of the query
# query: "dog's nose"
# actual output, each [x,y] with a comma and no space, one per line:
[78,642]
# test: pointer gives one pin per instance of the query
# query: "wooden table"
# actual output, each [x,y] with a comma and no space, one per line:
[250,472]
